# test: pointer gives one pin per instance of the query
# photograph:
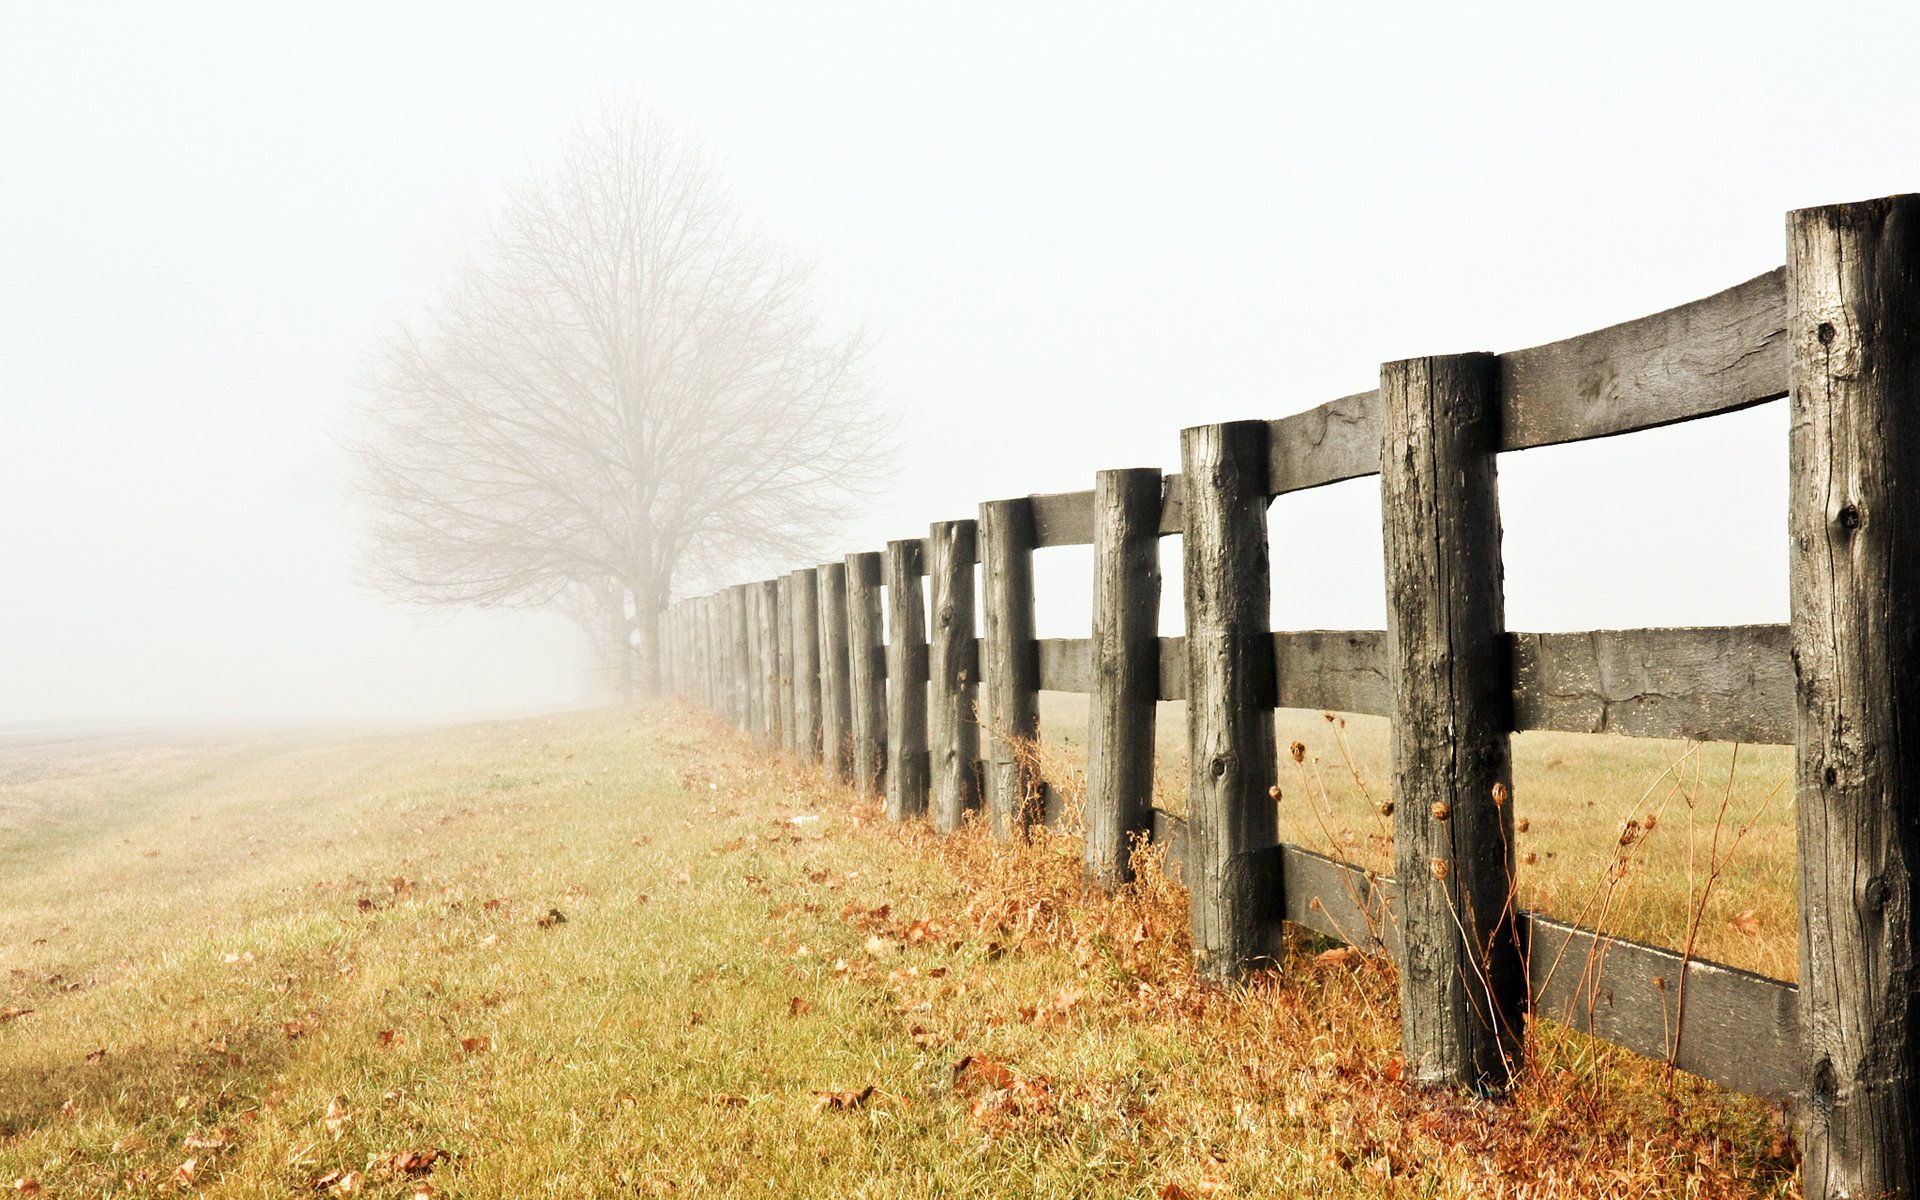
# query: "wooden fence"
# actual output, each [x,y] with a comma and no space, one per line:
[804,663]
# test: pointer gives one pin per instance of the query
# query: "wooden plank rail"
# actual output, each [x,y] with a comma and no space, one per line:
[1834,330]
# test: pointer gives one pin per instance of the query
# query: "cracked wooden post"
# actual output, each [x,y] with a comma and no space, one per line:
[1126,669]
[1462,986]
[953,724]
[1232,832]
[782,638]
[742,665]
[867,672]
[804,638]
[836,700]
[1011,670]
[1853,288]
[906,680]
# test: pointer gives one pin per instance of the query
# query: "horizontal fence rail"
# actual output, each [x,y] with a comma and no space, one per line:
[929,715]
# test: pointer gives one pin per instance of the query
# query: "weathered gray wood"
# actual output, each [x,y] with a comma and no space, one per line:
[746,665]
[805,641]
[1462,989]
[1716,355]
[907,764]
[782,640]
[1340,900]
[1066,664]
[836,695]
[1340,669]
[953,725]
[867,672]
[1230,817]
[1173,506]
[1326,444]
[1009,663]
[1738,1029]
[1062,518]
[1125,651]
[1729,684]
[1854,444]
[1173,668]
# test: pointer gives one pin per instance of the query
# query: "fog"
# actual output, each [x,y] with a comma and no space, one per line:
[1070,230]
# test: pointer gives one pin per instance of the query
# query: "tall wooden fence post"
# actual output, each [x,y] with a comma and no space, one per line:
[782,635]
[1126,669]
[867,672]
[906,680]
[1853,286]
[804,637]
[1462,987]
[836,698]
[1011,670]
[1232,831]
[743,664]
[953,729]
[764,652]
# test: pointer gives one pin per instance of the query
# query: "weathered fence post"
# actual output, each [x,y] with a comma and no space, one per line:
[783,658]
[953,729]
[1462,988]
[1126,669]
[906,681]
[1232,860]
[762,655]
[773,696]
[836,700]
[743,665]
[804,637]
[867,671]
[1011,670]
[1853,287]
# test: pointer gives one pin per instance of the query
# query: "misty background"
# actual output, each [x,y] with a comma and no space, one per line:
[1070,231]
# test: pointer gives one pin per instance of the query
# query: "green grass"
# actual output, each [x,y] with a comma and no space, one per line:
[274,958]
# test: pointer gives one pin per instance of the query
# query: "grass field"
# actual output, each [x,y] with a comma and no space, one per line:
[624,953]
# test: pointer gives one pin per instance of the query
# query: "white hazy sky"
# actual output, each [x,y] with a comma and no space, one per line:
[1071,229]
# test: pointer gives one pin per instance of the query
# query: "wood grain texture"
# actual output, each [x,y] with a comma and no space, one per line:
[867,671]
[1062,518]
[1325,444]
[1125,654]
[1716,355]
[1231,825]
[836,694]
[1854,514]
[784,663]
[776,648]
[1738,1029]
[804,638]
[907,765]
[1173,668]
[1344,670]
[1339,900]
[1009,663]
[953,728]
[1066,664]
[1462,988]
[1724,685]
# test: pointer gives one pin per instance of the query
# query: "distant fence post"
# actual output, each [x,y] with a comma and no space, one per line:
[773,696]
[867,672]
[836,698]
[783,676]
[906,680]
[1853,286]
[763,662]
[1232,831]
[1462,988]
[742,663]
[804,637]
[1011,667]
[953,729]
[1126,669]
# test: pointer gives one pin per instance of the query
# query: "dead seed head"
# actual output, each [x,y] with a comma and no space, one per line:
[1629,832]
[1529,858]
[1273,793]
[1647,822]
[1520,825]
[1499,794]
[1386,808]
[1438,866]
[1298,751]
[1329,717]
[1442,810]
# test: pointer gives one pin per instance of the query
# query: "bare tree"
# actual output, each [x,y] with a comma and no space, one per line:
[627,385]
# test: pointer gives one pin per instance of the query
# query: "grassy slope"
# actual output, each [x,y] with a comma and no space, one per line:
[215,937]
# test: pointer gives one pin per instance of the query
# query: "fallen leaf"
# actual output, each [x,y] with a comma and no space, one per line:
[27,1187]
[337,1116]
[409,1162]
[218,1139]
[878,946]
[1174,1191]
[99,1055]
[554,917]
[1747,923]
[1339,956]
[14,1012]
[798,1007]
[183,1174]
[977,1070]
[293,1029]
[389,1037]
[725,1100]
[476,1045]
